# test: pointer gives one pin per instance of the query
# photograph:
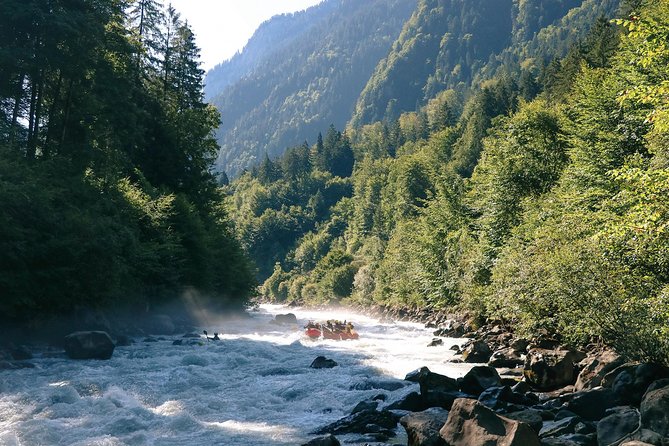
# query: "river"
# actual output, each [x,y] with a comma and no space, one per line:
[254,387]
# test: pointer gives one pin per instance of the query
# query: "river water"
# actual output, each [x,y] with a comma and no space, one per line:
[254,387]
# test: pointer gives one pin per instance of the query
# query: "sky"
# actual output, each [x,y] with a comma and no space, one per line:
[222,27]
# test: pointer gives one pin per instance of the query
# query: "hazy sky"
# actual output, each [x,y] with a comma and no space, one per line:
[222,27]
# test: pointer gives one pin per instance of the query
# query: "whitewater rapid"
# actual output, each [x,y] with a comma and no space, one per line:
[254,387]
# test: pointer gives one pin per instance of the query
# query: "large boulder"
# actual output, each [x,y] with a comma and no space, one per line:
[328,440]
[476,352]
[630,381]
[531,417]
[431,382]
[362,422]
[594,368]
[478,379]
[413,402]
[472,424]
[655,410]
[423,427]
[593,404]
[504,399]
[617,426]
[321,362]
[506,357]
[550,369]
[285,319]
[89,345]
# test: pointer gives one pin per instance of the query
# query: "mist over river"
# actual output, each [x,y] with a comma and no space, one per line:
[254,387]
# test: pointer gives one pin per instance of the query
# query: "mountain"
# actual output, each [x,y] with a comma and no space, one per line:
[278,95]
[450,44]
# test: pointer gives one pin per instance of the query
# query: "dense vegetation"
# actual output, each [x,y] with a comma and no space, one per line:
[105,148]
[544,207]
[306,82]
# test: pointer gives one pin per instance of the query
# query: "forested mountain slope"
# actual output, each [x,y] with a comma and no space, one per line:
[545,209]
[450,44]
[306,82]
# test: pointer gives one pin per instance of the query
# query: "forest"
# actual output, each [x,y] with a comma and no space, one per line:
[106,147]
[538,197]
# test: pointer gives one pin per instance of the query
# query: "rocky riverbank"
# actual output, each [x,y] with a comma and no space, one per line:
[522,392]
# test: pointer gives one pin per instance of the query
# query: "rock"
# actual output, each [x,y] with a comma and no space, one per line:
[559,428]
[476,352]
[412,402]
[592,404]
[443,399]
[567,440]
[89,345]
[365,405]
[328,440]
[519,345]
[505,357]
[655,411]
[615,427]
[478,379]
[20,353]
[630,381]
[160,324]
[361,423]
[472,424]
[453,329]
[384,384]
[321,362]
[423,427]
[285,319]
[550,369]
[531,417]
[432,382]
[503,398]
[593,369]
[635,443]
[521,387]
[435,342]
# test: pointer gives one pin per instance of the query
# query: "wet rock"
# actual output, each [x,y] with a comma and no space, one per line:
[443,399]
[321,362]
[478,379]
[123,341]
[89,345]
[567,440]
[365,405]
[476,352]
[361,423]
[435,342]
[423,427]
[453,329]
[655,410]
[285,319]
[635,443]
[456,349]
[593,404]
[593,369]
[630,381]
[613,428]
[383,384]
[550,369]
[432,382]
[531,417]
[505,357]
[328,440]
[559,427]
[412,402]
[472,424]
[504,399]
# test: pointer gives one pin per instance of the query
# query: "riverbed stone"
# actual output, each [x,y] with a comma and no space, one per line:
[423,427]
[366,421]
[550,369]
[655,410]
[476,352]
[613,428]
[89,345]
[630,381]
[531,417]
[478,379]
[593,404]
[594,368]
[328,440]
[321,362]
[505,357]
[472,424]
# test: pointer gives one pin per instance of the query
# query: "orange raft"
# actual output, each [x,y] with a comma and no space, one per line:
[331,329]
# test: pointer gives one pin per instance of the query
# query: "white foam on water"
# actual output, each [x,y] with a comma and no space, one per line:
[254,387]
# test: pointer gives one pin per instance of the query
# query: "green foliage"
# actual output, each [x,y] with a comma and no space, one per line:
[105,156]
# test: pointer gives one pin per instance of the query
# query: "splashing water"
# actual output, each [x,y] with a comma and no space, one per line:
[254,387]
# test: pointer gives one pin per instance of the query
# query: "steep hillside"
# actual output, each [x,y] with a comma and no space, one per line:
[453,43]
[306,82]
[272,36]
